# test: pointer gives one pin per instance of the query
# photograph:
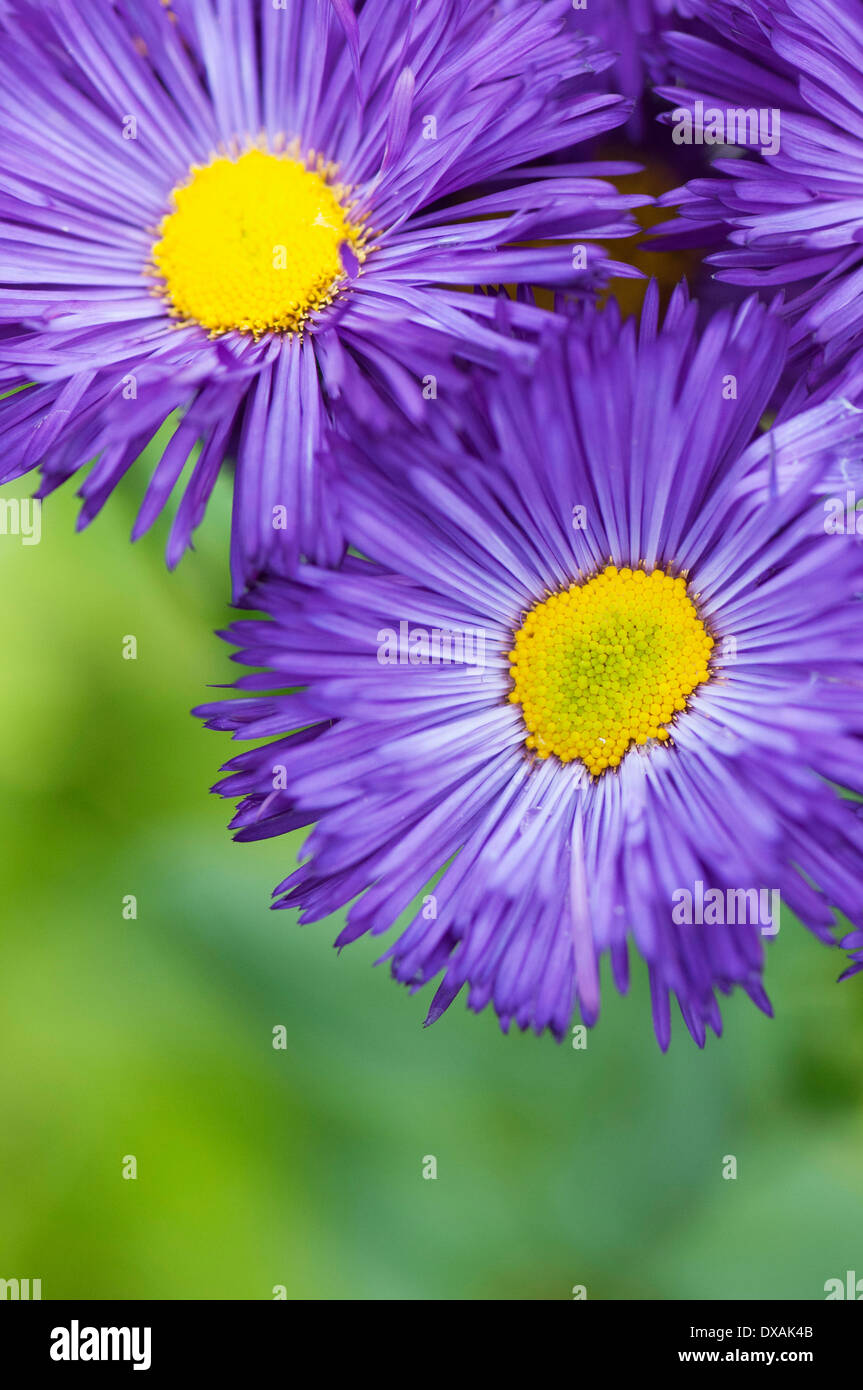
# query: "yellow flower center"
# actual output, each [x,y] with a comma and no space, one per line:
[606,664]
[254,243]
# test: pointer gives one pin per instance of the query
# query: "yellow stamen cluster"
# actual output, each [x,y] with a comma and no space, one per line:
[254,243]
[606,664]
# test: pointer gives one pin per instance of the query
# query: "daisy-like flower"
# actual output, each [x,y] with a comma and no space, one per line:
[601,654]
[631,30]
[792,216]
[853,943]
[241,211]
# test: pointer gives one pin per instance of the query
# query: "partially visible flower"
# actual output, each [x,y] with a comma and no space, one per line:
[631,30]
[792,218]
[242,212]
[602,651]
[853,943]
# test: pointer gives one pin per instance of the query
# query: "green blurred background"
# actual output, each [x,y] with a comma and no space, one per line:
[303,1167]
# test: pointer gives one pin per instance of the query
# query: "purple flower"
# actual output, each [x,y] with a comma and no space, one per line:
[791,217]
[242,212]
[853,943]
[601,654]
[631,30]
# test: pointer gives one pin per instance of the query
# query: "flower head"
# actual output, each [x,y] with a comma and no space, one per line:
[230,215]
[787,73]
[631,30]
[853,943]
[602,653]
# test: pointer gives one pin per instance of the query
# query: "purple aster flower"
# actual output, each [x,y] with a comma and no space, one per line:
[853,943]
[601,652]
[785,76]
[631,30]
[857,958]
[242,212]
